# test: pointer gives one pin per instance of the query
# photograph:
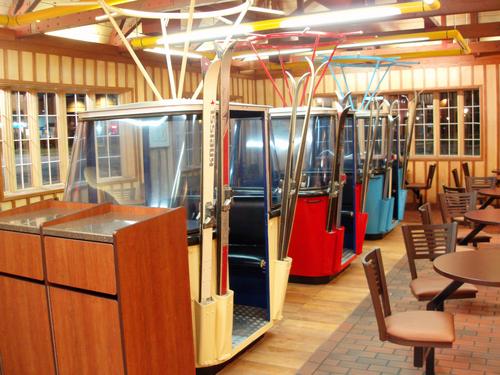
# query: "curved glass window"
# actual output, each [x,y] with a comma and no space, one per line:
[319,150]
[158,159]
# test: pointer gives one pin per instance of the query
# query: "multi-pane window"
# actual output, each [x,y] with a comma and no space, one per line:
[108,149]
[2,156]
[424,125]
[21,136]
[108,140]
[49,150]
[402,112]
[472,123]
[75,103]
[106,100]
[448,123]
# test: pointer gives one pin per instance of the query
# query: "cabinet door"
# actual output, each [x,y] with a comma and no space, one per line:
[25,341]
[87,333]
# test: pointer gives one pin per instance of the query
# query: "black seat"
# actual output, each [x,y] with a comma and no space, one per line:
[247,242]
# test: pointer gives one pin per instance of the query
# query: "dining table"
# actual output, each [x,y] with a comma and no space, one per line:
[481,218]
[491,194]
[477,267]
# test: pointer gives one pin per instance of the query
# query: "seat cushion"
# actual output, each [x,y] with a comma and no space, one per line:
[425,288]
[465,248]
[421,328]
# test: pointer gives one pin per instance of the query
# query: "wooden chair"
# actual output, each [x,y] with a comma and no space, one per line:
[423,330]
[417,187]
[453,206]
[451,189]
[426,217]
[428,242]
[478,183]
[456,178]
[465,168]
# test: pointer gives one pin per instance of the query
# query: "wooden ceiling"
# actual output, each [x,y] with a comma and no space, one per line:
[478,21]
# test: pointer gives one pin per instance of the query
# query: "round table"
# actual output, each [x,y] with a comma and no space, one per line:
[491,193]
[482,218]
[479,267]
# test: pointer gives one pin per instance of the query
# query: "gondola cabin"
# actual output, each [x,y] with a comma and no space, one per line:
[150,154]
[319,253]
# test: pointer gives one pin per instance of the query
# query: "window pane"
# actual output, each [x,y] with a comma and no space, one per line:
[54,172]
[115,167]
[472,130]
[103,168]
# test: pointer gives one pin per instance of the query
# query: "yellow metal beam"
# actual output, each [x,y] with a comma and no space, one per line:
[302,20]
[48,13]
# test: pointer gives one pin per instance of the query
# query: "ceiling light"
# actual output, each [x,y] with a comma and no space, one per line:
[265,55]
[174,52]
[340,17]
[211,33]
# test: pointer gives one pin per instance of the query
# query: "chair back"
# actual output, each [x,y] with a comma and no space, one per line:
[453,205]
[465,168]
[375,276]
[425,213]
[430,176]
[478,183]
[451,189]
[428,241]
[456,178]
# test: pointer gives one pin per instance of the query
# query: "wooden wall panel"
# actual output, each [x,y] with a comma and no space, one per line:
[66,70]
[78,71]
[12,64]
[2,65]
[54,69]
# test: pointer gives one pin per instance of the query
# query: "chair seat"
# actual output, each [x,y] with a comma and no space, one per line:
[421,328]
[416,185]
[425,288]
[460,248]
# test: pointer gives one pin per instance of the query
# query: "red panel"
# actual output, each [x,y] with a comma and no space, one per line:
[314,251]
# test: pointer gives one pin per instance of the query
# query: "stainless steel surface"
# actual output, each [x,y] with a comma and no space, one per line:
[95,228]
[287,111]
[246,321]
[30,222]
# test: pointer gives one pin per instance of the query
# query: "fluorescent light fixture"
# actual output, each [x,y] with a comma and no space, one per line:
[267,10]
[340,17]
[88,33]
[265,55]
[105,17]
[211,33]
[174,52]
[376,42]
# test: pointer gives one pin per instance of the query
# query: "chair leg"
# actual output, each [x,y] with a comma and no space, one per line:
[429,362]
[418,356]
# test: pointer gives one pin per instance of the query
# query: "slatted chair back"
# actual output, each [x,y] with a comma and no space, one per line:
[451,189]
[375,276]
[456,177]
[454,205]
[430,176]
[425,213]
[465,168]
[428,241]
[478,183]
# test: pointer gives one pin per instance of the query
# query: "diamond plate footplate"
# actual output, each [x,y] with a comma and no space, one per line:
[247,320]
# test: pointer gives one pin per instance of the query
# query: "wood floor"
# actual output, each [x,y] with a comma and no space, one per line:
[312,313]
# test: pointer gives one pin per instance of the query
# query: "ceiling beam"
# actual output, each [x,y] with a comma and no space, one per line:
[88,18]
[127,26]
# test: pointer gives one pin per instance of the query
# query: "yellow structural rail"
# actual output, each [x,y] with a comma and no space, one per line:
[53,12]
[297,22]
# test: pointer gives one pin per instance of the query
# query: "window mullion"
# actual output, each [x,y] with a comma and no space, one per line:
[34,141]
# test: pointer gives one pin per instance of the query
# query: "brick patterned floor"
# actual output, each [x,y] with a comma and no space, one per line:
[354,348]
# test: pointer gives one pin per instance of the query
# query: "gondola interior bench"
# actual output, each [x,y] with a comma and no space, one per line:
[94,289]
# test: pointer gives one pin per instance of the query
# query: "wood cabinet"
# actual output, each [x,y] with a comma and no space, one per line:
[109,292]
[26,344]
